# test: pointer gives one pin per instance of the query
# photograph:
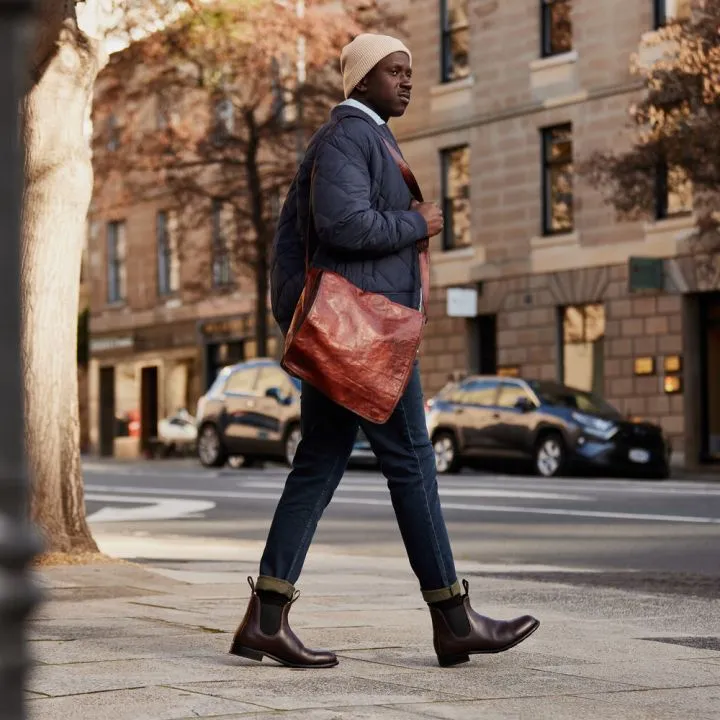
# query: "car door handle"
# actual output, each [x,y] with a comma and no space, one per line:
[459,411]
[496,416]
[251,403]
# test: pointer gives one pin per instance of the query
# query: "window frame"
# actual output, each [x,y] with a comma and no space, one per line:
[448,233]
[662,195]
[563,343]
[659,14]
[221,273]
[546,30]
[546,167]
[116,262]
[166,255]
[446,36]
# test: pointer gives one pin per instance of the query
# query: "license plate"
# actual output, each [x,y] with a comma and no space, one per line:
[639,456]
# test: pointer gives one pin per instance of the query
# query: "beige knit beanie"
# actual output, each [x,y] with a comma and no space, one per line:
[360,56]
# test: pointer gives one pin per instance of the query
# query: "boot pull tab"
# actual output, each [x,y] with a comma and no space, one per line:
[295,596]
[251,583]
[466,585]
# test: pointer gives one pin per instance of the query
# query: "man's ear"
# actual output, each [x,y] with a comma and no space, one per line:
[362,86]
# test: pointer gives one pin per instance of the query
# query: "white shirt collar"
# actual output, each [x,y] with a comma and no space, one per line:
[361,106]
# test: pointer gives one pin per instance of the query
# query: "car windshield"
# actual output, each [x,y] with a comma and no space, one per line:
[551,393]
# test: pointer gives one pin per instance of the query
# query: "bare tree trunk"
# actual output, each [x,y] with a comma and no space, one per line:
[57,195]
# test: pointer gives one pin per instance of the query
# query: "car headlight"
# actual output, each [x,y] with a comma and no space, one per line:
[597,427]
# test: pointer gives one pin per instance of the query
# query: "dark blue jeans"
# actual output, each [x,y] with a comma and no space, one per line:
[406,458]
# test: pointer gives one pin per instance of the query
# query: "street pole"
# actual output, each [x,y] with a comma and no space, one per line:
[18,542]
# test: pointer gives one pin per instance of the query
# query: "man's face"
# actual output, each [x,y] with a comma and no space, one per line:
[388,85]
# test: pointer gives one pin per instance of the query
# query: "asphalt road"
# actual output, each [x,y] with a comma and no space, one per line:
[662,536]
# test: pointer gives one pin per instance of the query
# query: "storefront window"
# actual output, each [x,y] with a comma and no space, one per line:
[583,335]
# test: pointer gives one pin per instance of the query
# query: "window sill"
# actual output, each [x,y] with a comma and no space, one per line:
[116,305]
[452,86]
[453,254]
[567,58]
[541,242]
[670,224]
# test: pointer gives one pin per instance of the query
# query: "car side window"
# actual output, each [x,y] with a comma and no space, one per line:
[475,392]
[509,395]
[242,382]
[273,377]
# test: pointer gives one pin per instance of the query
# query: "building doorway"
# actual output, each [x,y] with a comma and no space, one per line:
[148,406]
[484,345]
[710,374]
[107,411]
[220,354]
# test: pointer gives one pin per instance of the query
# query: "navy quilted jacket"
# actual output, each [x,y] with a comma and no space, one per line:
[363,228]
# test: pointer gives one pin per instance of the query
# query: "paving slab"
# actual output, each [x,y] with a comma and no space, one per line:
[656,675]
[90,677]
[130,648]
[553,708]
[479,680]
[294,691]
[699,703]
[157,703]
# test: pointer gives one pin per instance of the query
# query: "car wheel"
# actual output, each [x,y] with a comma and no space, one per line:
[292,441]
[211,450]
[447,457]
[550,455]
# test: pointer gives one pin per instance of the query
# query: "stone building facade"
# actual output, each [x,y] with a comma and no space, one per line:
[508,98]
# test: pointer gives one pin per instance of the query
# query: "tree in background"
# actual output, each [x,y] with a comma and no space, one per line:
[213,110]
[675,155]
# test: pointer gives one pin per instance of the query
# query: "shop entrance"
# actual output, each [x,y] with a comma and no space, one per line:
[148,406]
[107,411]
[710,394]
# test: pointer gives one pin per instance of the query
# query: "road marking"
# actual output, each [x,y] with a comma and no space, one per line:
[155,508]
[449,506]
[450,492]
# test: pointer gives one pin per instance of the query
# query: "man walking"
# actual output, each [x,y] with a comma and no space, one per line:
[350,204]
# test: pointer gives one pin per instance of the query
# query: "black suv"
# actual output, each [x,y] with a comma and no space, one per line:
[554,425]
[253,410]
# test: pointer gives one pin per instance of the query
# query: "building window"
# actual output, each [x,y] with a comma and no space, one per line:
[113,133]
[167,253]
[583,336]
[221,226]
[556,27]
[223,120]
[456,197]
[673,193]
[116,278]
[668,10]
[557,180]
[455,39]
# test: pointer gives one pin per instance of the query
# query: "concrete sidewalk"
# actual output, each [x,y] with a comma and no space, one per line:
[125,642]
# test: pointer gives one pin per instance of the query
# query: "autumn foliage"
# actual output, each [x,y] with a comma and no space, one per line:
[213,110]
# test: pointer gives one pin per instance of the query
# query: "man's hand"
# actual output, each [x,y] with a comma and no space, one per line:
[432,214]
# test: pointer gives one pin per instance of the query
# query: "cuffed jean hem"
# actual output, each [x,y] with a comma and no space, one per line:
[271,584]
[433,596]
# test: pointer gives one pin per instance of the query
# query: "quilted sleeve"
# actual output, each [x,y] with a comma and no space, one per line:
[344,218]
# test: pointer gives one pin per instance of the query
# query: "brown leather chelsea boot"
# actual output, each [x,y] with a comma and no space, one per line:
[282,646]
[485,634]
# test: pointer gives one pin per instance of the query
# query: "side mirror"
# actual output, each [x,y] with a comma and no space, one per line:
[275,393]
[524,404]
